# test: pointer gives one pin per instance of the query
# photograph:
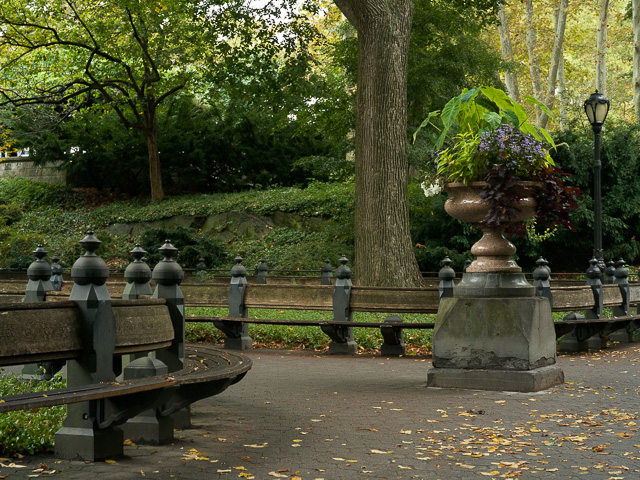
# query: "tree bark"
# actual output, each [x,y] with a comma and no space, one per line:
[601,48]
[151,132]
[510,77]
[635,6]
[563,98]
[556,59]
[534,61]
[383,246]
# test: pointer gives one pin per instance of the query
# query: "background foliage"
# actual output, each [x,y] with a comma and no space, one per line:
[29,431]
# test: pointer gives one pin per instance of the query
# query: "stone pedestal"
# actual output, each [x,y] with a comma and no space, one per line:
[494,342]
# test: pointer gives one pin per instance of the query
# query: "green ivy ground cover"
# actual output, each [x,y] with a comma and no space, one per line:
[29,431]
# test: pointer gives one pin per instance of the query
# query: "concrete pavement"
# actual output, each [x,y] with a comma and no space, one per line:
[312,416]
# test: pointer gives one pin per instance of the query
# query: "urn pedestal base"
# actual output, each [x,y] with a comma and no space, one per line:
[494,285]
[494,342]
[497,380]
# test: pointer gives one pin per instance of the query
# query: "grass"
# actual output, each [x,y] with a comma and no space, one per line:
[369,340]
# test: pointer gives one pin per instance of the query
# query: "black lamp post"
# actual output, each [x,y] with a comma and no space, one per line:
[596,107]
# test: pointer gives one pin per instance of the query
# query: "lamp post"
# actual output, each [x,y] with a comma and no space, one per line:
[596,107]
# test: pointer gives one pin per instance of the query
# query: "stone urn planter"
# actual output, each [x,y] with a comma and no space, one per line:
[493,251]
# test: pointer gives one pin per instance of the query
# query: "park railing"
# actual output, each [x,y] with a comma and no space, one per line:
[597,313]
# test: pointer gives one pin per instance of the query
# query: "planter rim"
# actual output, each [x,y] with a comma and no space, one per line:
[482,184]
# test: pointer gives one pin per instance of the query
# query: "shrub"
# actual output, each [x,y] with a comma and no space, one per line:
[9,213]
[30,194]
[29,431]
[191,247]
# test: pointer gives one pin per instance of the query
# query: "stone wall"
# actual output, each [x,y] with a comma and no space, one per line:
[23,167]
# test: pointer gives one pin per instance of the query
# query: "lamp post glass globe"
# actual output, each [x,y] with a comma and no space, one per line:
[596,107]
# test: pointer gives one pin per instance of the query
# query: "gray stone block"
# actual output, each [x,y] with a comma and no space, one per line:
[496,380]
[494,333]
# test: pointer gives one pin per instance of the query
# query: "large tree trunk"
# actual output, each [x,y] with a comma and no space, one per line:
[510,77]
[635,6]
[601,48]
[384,251]
[556,59]
[534,61]
[155,172]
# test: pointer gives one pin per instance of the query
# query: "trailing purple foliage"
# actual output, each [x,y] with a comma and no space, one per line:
[513,156]
[554,200]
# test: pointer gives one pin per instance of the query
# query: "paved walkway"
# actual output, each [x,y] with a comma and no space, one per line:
[302,416]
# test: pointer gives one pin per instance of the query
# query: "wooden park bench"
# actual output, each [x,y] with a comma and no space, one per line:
[343,299]
[92,333]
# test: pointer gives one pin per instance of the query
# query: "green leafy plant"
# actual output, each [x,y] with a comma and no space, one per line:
[29,431]
[491,140]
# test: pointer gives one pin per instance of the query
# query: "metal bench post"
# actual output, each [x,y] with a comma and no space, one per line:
[82,435]
[593,280]
[447,276]
[137,275]
[237,334]
[342,340]
[168,276]
[39,273]
[148,427]
[541,281]
[326,273]
[597,341]
[56,274]
[623,335]
[584,336]
[262,271]
[610,273]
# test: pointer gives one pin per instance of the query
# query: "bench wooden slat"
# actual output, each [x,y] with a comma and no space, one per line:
[394,300]
[45,331]
[203,364]
[290,297]
[66,396]
[307,323]
[572,298]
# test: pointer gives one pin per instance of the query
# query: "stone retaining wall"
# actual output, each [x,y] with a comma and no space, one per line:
[23,167]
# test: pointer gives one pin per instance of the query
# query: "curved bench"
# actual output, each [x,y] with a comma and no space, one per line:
[60,331]
[208,371]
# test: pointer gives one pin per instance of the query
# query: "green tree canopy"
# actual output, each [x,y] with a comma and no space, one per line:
[130,54]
